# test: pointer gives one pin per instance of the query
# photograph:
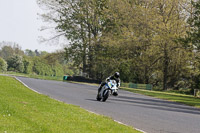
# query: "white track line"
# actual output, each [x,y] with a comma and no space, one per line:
[26,85]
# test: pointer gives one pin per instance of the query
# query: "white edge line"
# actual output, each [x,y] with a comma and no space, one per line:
[26,85]
[83,108]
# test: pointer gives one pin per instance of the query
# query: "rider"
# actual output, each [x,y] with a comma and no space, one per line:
[113,77]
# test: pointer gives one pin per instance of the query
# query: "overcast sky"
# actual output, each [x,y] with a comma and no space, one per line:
[19,23]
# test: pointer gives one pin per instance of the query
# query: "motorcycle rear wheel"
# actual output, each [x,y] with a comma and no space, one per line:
[105,97]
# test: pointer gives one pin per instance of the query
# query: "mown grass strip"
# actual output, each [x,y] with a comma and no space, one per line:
[24,111]
[180,98]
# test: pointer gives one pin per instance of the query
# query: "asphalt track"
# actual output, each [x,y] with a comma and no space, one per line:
[146,113]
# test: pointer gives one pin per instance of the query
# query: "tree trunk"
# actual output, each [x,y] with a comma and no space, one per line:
[165,69]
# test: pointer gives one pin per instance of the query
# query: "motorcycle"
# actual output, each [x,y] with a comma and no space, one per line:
[110,88]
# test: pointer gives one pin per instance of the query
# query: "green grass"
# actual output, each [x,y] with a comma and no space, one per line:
[180,98]
[24,111]
[58,78]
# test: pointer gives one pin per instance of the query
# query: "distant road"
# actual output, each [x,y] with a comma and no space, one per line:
[149,114]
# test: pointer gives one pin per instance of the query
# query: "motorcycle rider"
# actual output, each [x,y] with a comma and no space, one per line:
[113,77]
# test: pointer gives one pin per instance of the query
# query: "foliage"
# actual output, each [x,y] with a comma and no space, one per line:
[140,39]
[6,52]
[10,49]
[192,42]
[36,62]
[28,65]
[58,70]
[31,53]
[194,22]
[40,67]
[3,65]
[15,63]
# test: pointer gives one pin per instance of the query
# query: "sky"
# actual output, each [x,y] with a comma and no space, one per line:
[20,23]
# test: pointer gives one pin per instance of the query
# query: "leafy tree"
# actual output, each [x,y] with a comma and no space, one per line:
[41,67]
[29,52]
[6,52]
[17,49]
[58,70]
[53,58]
[147,31]
[56,60]
[28,65]
[192,42]
[10,49]
[81,22]
[138,38]
[15,63]
[37,53]
[194,22]
[3,65]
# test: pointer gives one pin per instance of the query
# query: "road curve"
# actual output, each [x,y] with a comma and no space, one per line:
[149,114]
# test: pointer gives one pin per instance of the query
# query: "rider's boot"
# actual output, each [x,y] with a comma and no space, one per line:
[115,94]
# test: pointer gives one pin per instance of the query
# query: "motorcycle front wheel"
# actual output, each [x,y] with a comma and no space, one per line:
[98,98]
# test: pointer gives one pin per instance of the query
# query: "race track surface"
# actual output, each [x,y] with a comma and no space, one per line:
[146,113]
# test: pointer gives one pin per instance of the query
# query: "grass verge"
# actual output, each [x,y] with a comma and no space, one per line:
[24,111]
[180,98]
[58,78]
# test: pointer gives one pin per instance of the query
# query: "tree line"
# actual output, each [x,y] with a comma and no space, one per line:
[147,41]
[12,58]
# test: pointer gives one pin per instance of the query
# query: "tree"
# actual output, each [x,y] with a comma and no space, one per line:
[29,52]
[192,42]
[41,67]
[3,65]
[56,61]
[15,63]
[170,23]
[194,22]
[6,52]
[9,49]
[138,38]
[146,33]
[28,64]
[81,22]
